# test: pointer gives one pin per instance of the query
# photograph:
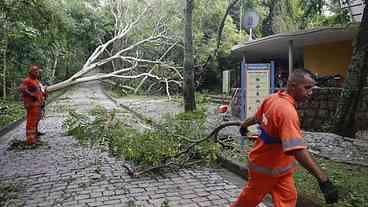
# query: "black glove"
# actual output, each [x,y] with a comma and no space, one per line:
[243,131]
[329,191]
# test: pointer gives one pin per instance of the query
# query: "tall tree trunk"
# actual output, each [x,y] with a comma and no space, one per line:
[53,68]
[188,86]
[213,56]
[356,80]
[4,69]
[221,26]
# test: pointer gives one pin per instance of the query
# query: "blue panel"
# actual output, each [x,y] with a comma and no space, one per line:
[260,66]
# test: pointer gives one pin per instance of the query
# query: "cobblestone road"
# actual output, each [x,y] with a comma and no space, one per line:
[62,173]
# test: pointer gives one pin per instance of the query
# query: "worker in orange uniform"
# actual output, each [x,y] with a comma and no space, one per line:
[33,98]
[279,145]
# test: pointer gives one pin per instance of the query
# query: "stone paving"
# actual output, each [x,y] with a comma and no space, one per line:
[338,148]
[63,173]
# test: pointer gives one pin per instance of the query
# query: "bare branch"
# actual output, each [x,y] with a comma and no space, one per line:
[136,76]
[142,82]
[167,89]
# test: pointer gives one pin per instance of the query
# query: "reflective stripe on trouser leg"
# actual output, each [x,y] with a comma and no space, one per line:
[32,122]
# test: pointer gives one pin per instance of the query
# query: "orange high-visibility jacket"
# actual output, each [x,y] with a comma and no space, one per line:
[279,133]
[31,87]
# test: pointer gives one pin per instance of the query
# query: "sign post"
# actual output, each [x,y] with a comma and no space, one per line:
[250,21]
[226,81]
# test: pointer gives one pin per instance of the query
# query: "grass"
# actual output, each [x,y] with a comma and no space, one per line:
[10,111]
[351,180]
[8,193]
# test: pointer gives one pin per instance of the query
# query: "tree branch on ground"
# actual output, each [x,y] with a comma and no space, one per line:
[170,161]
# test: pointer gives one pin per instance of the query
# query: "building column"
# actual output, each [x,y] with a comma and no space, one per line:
[291,56]
[242,89]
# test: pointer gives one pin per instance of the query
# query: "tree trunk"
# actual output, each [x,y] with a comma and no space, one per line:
[221,26]
[188,86]
[4,69]
[53,68]
[213,56]
[356,80]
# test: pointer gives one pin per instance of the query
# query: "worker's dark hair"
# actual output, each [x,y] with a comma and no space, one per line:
[299,73]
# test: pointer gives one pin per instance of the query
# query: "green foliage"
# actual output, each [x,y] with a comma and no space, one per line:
[207,16]
[10,111]
[145,147]
[295,15]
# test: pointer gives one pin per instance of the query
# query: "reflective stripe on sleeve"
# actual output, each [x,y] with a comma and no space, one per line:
[292,143]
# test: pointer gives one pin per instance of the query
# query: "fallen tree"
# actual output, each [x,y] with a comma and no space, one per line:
[136,65]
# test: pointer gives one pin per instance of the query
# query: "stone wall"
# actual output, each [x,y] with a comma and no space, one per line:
[319,110]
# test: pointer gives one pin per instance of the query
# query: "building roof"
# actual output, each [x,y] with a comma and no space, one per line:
[276,46]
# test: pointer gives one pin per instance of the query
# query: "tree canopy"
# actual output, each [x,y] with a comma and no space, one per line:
[61,35]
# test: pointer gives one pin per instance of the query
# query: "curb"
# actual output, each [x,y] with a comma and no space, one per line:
[11,126]
[16,123]
[234,167]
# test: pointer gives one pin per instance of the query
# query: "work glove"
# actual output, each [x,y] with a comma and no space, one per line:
[329,191]
[243,131]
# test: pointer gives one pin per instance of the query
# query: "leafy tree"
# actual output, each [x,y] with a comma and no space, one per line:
[23,22]
[322,13]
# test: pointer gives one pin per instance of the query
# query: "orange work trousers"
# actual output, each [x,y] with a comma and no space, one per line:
[33,117]
[282,190]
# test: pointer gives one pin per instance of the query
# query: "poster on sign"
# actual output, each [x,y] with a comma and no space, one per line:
[258,79]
